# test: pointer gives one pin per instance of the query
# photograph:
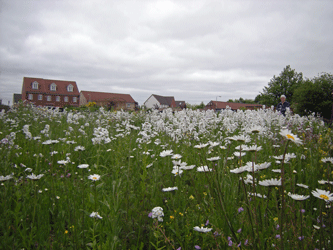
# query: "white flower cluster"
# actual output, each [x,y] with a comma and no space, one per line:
[101,134]
[26,132]
[157,212]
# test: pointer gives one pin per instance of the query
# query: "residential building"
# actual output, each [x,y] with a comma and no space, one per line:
[50,93]
[162,102]
[217,105]
[111,100]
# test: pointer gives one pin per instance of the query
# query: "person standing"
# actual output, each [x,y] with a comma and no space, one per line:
[283,105]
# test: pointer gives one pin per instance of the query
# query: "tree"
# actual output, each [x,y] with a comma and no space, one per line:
[241,100]
[315,96]
[284,84]
[195,106]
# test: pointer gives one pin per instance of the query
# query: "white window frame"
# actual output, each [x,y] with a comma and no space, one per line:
[74,99]
[30,97]
[35,85]
[57,98]
[40,97]
[66,99]
[49,98]
[53,87]
[70,88]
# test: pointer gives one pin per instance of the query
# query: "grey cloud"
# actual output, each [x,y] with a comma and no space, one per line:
[194,50]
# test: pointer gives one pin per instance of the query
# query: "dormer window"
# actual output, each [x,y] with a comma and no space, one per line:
[53,87]
[70,88]
[35,85]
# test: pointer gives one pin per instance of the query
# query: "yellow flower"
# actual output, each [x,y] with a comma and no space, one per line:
[276,219]
[181,214]
[172,217]
[204,193]
[191,197]
[66,232]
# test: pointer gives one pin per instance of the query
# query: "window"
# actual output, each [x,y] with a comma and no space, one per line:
[57,98]
[70,88]
[40,97]
[128,105]
[49,98]
[30,97]
[66,99]
[35,85]
[53,87]
[74,99]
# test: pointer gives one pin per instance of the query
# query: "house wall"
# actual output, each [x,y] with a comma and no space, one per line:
[52,102]
[152,102]
[83,100]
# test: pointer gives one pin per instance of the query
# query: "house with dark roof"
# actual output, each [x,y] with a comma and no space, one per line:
[50,93]
[217,105]
[162,102]
[110,100]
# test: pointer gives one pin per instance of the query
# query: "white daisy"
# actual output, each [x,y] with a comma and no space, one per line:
[253,148]
[83,166]
[290,136]
[94,177]
[5,178]
[187,167]
[176,156]
[201,145]
[62,162]
[34,177]
[168,189]
[327,160]
[270,182]
[95,215]
[165,153]
[298,197]
[202,229]
[322,194]
[204,169]
[239,170]
[302,185]
[214,158]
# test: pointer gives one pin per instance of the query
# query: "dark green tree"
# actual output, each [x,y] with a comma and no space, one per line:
[242,100]
[315,96]
[284,84]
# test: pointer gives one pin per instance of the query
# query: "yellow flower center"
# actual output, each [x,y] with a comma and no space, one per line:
[95,178]
[290,137]
[325,197]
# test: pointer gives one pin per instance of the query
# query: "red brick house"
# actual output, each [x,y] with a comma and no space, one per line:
[50,93]
[217,106]
[110,100]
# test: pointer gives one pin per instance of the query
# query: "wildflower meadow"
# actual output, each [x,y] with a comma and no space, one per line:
[190,179]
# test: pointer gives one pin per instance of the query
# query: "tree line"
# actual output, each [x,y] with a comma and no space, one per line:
[305,95]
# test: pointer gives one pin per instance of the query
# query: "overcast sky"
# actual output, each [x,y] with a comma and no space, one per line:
[192,50]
